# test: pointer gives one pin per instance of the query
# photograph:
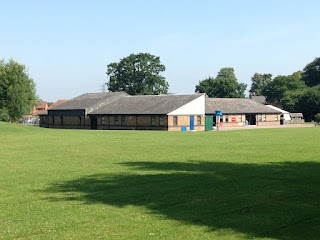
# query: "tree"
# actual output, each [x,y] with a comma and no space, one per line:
[259,81]
[317,118]
[227,73]
[225,85]
[275,90]
[17,91]
[311,73]
[309,103]
[291,98]
[137,74]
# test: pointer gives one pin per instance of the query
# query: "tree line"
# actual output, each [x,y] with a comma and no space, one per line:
[298,92]
[139,74]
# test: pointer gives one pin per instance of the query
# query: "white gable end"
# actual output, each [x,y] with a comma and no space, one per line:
[195,107]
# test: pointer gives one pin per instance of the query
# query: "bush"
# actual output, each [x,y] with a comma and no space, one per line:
[317,118]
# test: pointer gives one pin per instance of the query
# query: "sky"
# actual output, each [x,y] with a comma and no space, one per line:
[67,45]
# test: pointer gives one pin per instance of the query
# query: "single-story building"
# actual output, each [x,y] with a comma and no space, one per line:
[241,112]
[296,118]
[119,110]
[74,113]
[171,112]
[152,112]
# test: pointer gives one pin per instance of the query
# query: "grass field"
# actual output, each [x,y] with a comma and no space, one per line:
[75,184]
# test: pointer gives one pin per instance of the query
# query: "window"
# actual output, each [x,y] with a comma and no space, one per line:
[123,120]
[160,121]
[153,120]
[52,120]
[79,120]
[227,118]
[116,120]
[240,118]
[264,118]
[102,120]
[276,117]
[221,119]
[198,120]
[260,118]
[61,120]
[175,120]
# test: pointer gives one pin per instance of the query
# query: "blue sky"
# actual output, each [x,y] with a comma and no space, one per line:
[67,45]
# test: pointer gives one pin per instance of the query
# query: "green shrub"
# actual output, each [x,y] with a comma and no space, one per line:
[317,118]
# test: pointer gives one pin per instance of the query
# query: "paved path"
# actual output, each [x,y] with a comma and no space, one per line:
[271,126]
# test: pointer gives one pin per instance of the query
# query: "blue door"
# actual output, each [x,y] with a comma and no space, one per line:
[191,123]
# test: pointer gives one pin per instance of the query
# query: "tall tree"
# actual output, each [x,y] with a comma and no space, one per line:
[309,103]
[225,85]
[259,81]
[17,91]
[227,73]
[275,90]
[311,73]
[137,74]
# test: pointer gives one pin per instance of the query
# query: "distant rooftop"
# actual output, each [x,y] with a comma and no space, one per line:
[236,105]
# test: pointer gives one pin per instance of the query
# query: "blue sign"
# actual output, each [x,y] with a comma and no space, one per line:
[218,113]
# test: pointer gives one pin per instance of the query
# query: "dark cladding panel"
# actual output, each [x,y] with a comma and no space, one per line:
[65,113]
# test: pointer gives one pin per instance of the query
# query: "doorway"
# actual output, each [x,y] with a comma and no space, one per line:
[94,122]
[191,123]
[251,119]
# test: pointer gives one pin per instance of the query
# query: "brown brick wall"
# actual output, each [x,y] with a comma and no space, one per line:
[184,121]
[270,119]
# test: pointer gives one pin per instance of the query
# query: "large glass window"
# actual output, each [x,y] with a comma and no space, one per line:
[240,118]
[123,120]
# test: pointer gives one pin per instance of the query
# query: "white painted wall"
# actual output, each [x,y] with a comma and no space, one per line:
[286,115]
[195,107]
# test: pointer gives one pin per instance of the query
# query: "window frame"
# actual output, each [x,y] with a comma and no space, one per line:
[123,120]
[161,122]
[116,120]
[153,121]
[175,120]
[264,117]
[198,120]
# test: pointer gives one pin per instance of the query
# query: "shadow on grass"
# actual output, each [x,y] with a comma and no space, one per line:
[279,201]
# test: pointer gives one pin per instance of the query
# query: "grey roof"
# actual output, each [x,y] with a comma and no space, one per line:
[296,115]
[260,99]
[147,104]
[90,101]
[236,105]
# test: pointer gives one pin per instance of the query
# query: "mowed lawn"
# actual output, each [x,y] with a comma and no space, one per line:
[80,184]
